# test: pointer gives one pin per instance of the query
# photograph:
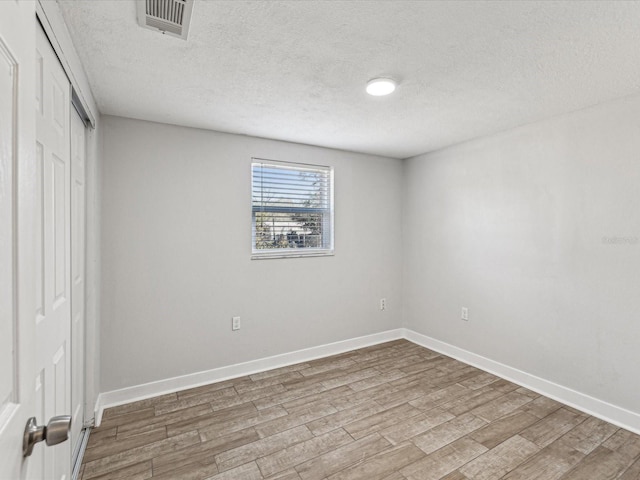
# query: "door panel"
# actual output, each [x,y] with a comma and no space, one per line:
[8,116]
[53,326]
[39,233]
[59,206]
[17,233]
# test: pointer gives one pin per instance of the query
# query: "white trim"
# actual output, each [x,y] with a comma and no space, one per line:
[294,253]
[170,385]
[598,408]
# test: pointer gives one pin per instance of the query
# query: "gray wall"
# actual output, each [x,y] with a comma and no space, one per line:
[536,230]
[176,246]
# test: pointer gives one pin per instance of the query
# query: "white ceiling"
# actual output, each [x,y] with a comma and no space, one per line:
[296,70]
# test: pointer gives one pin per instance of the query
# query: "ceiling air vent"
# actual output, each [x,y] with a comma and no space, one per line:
[167,16]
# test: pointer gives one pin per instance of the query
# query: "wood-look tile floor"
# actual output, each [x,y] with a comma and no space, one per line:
[394,411]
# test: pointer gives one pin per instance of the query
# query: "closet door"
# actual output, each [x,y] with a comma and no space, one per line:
[53,270]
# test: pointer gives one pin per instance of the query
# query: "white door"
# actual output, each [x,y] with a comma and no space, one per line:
[53,253]
[77,279]
[17,233]
[35,206]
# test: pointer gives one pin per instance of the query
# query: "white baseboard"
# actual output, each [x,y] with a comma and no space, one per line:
[170,385]
[598,408]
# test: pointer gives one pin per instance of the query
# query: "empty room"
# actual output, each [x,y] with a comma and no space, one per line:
[306,240]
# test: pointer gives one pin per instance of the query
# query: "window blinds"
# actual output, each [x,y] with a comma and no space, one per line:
[292,207]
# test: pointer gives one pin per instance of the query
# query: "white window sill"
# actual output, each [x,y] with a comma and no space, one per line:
[291,254]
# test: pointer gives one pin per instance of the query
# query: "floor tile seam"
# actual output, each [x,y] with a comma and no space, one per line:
[266,437]
[309,459]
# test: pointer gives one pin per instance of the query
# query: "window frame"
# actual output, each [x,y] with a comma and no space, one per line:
[258,254]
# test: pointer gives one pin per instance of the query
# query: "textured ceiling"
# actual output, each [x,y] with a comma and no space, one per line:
[296,70]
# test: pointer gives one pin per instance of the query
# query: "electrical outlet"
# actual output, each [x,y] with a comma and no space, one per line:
[464,315]
[383,304]
[235,323]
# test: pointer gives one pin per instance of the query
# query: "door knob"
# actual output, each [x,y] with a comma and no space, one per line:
[56,431]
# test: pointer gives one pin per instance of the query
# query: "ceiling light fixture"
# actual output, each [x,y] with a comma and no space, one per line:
[380,86]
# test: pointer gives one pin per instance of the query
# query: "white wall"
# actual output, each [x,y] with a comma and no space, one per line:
[537,231]
[176,246]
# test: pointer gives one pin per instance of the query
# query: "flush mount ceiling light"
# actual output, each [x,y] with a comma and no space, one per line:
[380,86]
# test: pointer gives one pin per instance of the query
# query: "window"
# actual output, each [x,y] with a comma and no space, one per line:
[292,209]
